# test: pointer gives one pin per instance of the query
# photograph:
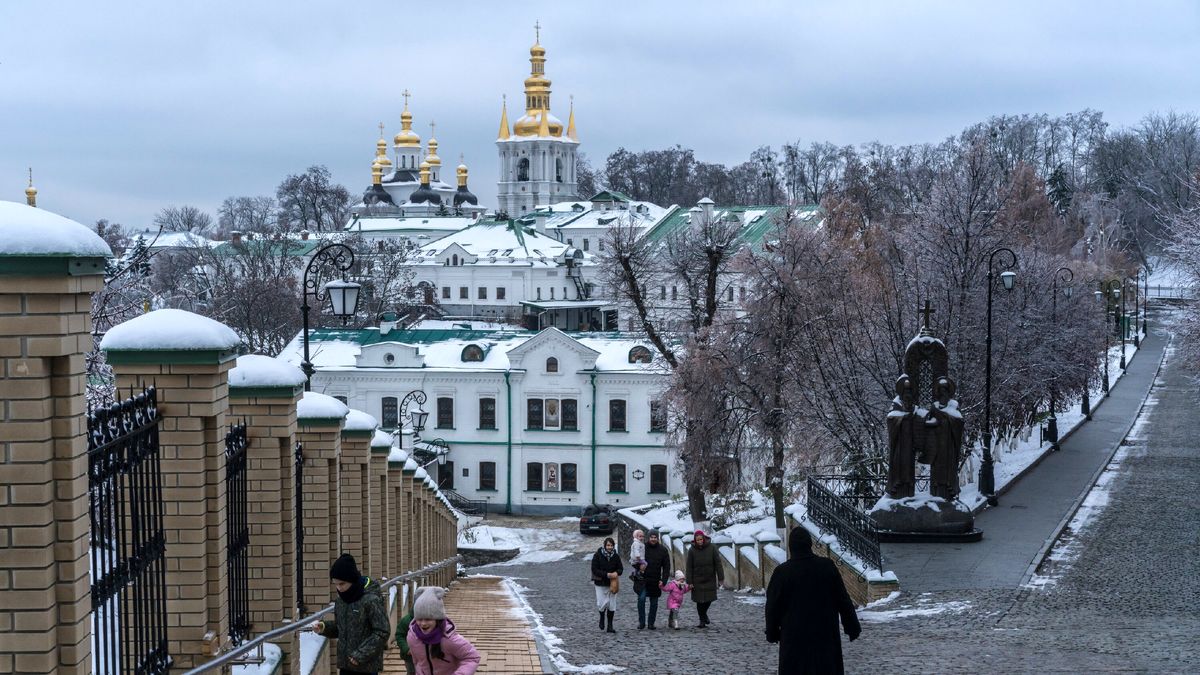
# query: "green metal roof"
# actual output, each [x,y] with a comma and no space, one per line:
[610,196]
[294,247]
[370,336]
[752,233]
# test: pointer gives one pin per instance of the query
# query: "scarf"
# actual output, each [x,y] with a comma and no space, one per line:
[607,553]
[434,636]
[355,592]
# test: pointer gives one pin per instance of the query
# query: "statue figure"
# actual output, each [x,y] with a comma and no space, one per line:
[943,439]
[902,440]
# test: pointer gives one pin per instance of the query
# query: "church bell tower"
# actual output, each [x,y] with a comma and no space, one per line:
[538,156]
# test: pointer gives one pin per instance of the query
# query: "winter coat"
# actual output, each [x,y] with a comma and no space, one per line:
[361,629]
[658,569]
[675,592]
[458,654]
[804,600]
[402,634]
[705,572]
[639,581]
[637,551]
[601,566]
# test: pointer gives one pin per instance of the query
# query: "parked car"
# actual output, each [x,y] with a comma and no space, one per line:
[598,520]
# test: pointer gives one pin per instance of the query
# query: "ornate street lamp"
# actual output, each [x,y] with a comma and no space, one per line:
[1121,318]
[342,294]
[1136,341]
[987,473]
[1066,276]
[1108,292]
[1145,299]
[417,416]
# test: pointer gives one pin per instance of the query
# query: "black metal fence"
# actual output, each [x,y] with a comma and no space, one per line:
[836,509]
[470,507]
[128,545]
[298,471]
[238,533]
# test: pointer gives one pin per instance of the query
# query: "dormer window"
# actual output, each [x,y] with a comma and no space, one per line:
[640,354]
[454,260]
[472,353]
[551,365]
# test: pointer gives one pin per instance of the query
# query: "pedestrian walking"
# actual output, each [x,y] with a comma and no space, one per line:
[657,571]
[606,575]
[638,577]
[437,648]
[805,598]
[637,547]
[360,621]
[675,590]
[402,642]
[705,572]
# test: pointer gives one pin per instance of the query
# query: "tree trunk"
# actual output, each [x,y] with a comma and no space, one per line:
[695,495]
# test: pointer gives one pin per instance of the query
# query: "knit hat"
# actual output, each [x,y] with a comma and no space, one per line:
[800,541]
[428,604]
[699,533]
[679,575]
[345,569]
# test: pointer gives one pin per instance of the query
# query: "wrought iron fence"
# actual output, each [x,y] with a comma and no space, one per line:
[298,500]
[842,517]
[238,533]
[128,545]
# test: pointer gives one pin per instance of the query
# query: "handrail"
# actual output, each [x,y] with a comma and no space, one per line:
[231,656]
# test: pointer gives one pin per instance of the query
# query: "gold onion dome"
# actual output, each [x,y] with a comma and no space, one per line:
[31,192]
[407,138]
[381,153]
[537,120]
[432,158]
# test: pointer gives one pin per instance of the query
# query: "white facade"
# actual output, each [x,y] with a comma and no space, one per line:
[533,427]
[535,170]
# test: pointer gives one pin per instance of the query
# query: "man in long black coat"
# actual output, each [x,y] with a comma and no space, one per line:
[804,600]
[658,571]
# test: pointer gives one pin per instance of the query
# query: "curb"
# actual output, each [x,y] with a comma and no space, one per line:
[1062,525]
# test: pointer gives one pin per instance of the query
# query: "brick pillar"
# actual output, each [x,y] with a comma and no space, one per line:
[397,516]
[45,329]
[379,545]
[264,392]
[187,358]
[409,534]
[320,431]
[354,498]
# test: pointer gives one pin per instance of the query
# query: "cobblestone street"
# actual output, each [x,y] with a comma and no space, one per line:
[1118,595]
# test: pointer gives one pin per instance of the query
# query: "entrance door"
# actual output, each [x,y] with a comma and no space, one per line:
[446,476]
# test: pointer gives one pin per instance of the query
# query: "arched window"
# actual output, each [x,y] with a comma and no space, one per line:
[640,354]
[472,353]
[454,260]
[523,169]
[558,175]
[551,365]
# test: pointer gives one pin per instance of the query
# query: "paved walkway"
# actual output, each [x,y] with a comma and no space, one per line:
[1031,512]
[485,613]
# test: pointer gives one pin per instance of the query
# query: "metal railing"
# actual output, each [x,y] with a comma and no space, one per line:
[471,507]
[864,489]
[843,518]
[237,532]
[232,657]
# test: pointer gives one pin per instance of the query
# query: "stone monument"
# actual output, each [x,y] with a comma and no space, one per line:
[924,427]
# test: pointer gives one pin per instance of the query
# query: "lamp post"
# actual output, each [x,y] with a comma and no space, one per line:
[1121,318]
[418,416]
[1104,295]
[1066,276]
[342,294]
[1145,299]
[1136,341]
[987,474]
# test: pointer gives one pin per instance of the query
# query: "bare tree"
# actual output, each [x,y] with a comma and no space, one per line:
[312,201]
[183,219]
[247,214]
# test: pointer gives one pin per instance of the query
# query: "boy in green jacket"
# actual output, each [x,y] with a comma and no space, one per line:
[402,641]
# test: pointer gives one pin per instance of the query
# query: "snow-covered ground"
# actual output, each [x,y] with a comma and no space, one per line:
[547,636]
[537,544]
[921,607]
[271,654]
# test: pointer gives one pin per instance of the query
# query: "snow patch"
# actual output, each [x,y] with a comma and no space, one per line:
[256,370]
[383,439]
[885,616]
[547,636]
[536,545]
[25,230]
[758,600]
[271,655]
[357,420]
[170,329]
[320,406]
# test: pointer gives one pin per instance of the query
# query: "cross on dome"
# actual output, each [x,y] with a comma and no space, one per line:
[537,30]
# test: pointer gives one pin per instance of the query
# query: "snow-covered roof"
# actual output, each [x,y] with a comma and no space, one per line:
[340,349]
[170,329]
[256,370]
[409,223]
[582,215]
[357,420]
[320,406]
[382,439]
[156,240]
[497,243]
[25,230]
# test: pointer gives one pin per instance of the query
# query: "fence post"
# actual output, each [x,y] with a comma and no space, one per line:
[46,288]
[264,392]
[319,419]
[383,479]
[187,358]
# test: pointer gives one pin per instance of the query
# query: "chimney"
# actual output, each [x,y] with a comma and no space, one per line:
[706,205]
[304,235]
[539,221]
[235,237]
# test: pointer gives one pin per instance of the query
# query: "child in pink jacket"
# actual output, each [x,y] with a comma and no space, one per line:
[675,589]
[436,648]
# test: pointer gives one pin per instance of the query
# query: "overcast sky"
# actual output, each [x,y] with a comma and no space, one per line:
[122,108]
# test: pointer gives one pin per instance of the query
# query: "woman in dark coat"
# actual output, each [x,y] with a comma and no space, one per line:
[805,598]
[705,573]
[606,568]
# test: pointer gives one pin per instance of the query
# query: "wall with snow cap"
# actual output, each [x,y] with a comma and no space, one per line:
[170,330]
[381,439]
[29,231]
[256,370]
[357,420]
[319,406]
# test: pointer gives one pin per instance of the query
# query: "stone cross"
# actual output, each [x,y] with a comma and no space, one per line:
[927,311]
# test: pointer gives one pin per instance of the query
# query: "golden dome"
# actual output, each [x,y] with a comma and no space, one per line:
[407,138]
[424,173]
[381,152]
[376,172]
[432,158]
[531,124]
[461,171]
